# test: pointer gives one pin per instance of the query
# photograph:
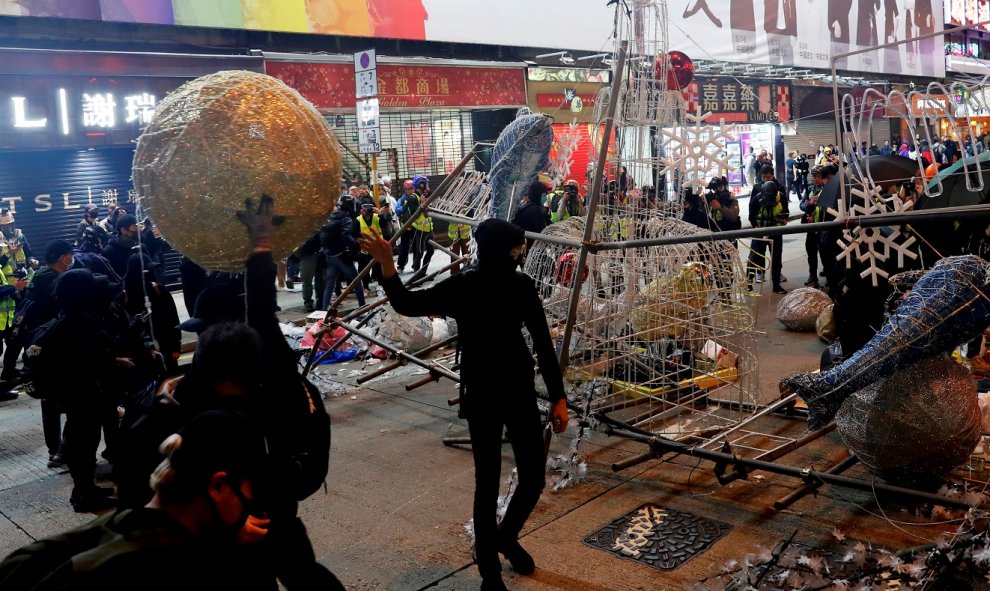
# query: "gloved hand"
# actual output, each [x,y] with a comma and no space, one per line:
[260,224]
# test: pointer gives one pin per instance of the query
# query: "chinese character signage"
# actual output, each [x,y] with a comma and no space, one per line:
[568,75]
[415,87]
[740,100]
[44,112]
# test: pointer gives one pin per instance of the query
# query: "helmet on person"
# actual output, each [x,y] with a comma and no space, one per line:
[572,183]
[346,202]
[770,188]
[818,170]
[420,179]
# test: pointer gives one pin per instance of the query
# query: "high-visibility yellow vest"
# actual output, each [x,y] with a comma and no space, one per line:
[366,227]
[458,232]
[7,307]
[423,223]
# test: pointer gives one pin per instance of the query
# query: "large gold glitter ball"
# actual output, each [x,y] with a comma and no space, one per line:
[227,137]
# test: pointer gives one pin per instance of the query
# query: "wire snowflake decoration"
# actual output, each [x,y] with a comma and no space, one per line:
[697,150]
[872,246]
[567,145]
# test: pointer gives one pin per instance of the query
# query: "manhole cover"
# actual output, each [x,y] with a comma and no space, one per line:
[659,537]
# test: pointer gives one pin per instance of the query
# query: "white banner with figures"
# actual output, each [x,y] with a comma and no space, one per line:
[806,33]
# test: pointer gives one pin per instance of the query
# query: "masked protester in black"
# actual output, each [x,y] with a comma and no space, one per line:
[491,303]
[186,537]
[250,368]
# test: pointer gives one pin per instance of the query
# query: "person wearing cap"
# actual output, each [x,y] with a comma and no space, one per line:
[58,361]
[405,206]
[491,303]
[90,216]
[190,535]
[120,248]
[767,208]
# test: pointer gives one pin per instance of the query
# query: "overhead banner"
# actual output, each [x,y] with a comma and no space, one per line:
[801,33]
[406,87]
[807,33]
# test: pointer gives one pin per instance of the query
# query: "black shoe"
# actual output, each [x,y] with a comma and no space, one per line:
[9,375]
[56,461]
[5,396]
[779,289]
[518,557]
[94,500]
[309,308]
[278,308]
[493,584]
[290,285]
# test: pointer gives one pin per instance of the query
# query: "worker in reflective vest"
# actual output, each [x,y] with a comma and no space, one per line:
[368,220]
[460,235]
[422,251]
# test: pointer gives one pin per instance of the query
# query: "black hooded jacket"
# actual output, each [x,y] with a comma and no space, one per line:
[491,303]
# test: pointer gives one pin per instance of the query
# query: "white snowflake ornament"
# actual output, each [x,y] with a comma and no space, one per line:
[872,246]
[697,150]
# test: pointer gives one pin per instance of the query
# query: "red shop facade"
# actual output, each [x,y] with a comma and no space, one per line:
[432,111]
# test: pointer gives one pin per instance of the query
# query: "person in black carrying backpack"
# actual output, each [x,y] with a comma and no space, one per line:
[340,247]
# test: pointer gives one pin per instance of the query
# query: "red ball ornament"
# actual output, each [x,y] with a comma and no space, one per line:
[680,70]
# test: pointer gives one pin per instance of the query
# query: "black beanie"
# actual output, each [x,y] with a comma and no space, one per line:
[496,238]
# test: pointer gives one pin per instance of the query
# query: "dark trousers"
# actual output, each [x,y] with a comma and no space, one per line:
[14,348]
[422,250]
[340,267]
[524,426]
[405,246]
[812,246]
[51,426]
[458,247]
[833,269]
[294,560]
[757,258]
[83,424]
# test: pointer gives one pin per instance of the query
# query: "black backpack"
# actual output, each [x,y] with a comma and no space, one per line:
[41,361]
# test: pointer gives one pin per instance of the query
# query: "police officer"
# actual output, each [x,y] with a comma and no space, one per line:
[813,214]
[767,208]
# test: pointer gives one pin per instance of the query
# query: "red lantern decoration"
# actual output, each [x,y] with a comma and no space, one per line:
[680,70]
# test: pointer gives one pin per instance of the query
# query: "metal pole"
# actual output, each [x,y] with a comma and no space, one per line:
[454,219]
[872,221]
[805,474]
[589,224]
[808,488]
[374,179]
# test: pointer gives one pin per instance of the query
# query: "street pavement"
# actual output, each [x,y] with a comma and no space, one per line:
[393,514]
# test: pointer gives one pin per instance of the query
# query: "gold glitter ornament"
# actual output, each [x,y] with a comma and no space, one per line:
[226,137]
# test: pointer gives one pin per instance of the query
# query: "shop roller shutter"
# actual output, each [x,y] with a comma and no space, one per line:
[811,133]
[48,191]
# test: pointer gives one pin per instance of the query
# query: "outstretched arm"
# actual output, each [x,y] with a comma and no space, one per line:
[439,300]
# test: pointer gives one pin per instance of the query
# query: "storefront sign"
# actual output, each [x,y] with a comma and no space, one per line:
[555,101]
[39,112]
[568,75]
[739,101]
[328,86]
